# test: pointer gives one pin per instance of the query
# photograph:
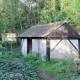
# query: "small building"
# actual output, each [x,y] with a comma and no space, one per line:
[54,40]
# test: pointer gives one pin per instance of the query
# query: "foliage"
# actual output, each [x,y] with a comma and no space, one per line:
[14,66]
[1,48]
[71,8]
[11,56]
[13,70]
[31,58]
[6,53]
[19,15]
[59,69]
[0,44]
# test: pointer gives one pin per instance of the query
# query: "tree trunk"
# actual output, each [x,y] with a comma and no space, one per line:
[21,26]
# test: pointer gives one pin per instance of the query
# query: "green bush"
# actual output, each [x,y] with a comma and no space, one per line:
[11,56]
[31,58]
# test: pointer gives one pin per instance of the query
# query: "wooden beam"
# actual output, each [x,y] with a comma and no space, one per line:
[56,45]
[48,49]
[73,45]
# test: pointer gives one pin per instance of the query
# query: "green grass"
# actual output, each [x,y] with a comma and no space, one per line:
[60,69]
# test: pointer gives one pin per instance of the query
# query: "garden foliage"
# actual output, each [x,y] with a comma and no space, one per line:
[10,70]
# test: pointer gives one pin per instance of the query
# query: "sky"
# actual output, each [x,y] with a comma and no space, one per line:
[33,4]
[22,0]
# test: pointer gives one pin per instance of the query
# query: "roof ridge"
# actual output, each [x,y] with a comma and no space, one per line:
[48,24]
[54,28]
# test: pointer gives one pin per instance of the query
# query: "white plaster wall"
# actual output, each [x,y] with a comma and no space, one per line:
[35,45]
[24,46]
[64,49]
[75,42]
[39,46]
[42,48]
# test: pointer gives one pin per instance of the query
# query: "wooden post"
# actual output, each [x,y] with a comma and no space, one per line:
[27,46]
[48,49]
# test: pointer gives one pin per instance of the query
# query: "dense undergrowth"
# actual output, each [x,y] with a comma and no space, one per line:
[14,65]
[59,69]
[10,70]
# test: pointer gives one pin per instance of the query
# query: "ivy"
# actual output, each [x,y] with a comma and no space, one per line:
[10,70]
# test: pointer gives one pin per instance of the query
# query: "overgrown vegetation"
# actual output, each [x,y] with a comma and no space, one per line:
[16,65]
[17,71]
[59,69]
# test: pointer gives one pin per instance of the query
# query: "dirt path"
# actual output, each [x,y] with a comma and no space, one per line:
[45,76]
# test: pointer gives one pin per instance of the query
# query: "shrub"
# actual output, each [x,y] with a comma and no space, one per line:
[31,58]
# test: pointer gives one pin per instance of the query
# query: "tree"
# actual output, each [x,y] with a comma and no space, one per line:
[17,16]
[72,9]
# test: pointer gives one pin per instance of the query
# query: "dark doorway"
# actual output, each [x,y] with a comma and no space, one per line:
[29,45]
[48,49]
